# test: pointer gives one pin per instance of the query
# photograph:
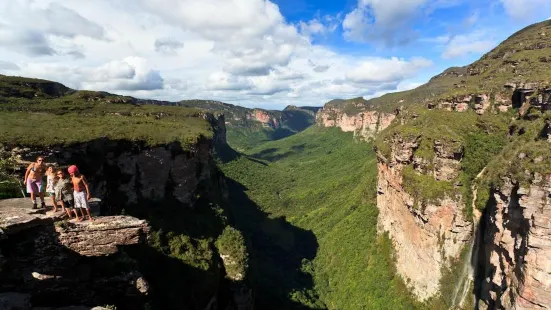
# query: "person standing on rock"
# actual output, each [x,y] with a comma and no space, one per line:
[51,179]
[81,193]
[33,180]
[64,193]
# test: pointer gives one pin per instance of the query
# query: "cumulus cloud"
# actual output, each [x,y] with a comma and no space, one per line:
[28,42]
[225,81]
[167,45]
[26,28]
[254,39]
[7,65]
[252,56]
[378,70]
[386,21]
[462,45]
[522,9]
[132,73]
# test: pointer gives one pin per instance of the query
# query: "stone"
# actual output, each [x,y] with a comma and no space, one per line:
[426,239]
[519,249]
[15,301]
[49,257]
[365,125]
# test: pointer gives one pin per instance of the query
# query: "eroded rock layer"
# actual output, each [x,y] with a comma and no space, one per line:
[517,252]
[61,263]
[363,124]
[428,235]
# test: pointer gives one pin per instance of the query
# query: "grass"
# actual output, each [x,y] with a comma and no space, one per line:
[319,181]
[71,119]
[477,138]
[517,59]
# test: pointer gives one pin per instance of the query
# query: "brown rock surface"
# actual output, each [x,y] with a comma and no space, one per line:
[363,124]
[61,263]
[426,238]
[517,255]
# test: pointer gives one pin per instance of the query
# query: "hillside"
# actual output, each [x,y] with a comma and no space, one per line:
[318,247]
[523,58]
[249,127]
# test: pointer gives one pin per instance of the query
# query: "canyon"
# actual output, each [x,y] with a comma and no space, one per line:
[442,204]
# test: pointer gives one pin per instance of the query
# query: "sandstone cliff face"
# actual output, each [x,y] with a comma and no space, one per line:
[363,124]
[264,117]
[55,263]
[512,95]
[517,253]
[426,236]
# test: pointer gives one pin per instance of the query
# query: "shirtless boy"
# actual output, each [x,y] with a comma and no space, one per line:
[81,192]
[33,181]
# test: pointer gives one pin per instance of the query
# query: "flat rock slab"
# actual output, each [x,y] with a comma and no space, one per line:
[17,214]
[99,237]
[103,235]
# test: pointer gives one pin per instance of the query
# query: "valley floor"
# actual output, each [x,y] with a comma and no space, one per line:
[306,204]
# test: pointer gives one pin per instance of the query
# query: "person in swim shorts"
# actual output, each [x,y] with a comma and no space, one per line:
[81,192]
[33,181]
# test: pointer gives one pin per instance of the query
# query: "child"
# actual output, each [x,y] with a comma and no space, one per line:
[50,185]
[64,193]
[81,192]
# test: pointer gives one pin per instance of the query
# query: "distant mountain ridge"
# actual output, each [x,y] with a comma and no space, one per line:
[246,126]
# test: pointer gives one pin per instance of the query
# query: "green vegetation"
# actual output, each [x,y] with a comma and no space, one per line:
[310,214]
[9,181]
[62,116]
[424,188]
[520,58]
[231,244]
[476,139]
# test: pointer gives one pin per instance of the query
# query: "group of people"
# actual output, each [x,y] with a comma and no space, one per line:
[72,192]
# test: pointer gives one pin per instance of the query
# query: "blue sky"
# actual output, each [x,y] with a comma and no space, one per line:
[255,53]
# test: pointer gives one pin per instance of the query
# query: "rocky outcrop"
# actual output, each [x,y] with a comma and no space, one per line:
[123,172]
[427,236]
[363,124]
[517,254]
[517,95]
[264,117]
[61,263]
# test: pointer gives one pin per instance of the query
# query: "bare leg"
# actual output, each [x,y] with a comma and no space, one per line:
[41,194]
[33,199]
[89,215]
[55,203]
[80,218]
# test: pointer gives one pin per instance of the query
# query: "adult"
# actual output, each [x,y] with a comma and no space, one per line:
[33,181]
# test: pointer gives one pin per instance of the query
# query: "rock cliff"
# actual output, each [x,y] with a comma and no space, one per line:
[364,124]
[515,258]
[428,234]
[52,262]
[125,172]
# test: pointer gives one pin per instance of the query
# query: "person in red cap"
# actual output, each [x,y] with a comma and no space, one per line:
[81,192]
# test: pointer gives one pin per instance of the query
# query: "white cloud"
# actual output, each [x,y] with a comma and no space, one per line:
[26,28]
[387,21]
[167,45]
[7,65]
[523,9]
[473,43]
[382,70]
[238,51]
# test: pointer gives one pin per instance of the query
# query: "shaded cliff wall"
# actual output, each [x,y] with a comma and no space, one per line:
[57,263]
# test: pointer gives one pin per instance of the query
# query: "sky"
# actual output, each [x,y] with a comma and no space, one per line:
[254,53]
